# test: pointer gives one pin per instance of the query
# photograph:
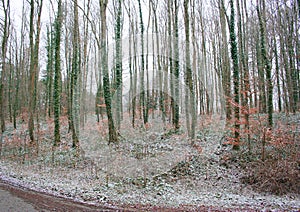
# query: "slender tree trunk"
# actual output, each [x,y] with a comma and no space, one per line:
[20,66]
[6,26]
[75,73]
[261,79]
[10,84]
[134,84]
[277,69]
[57,75]
[106,82]
[170,63]
[16,97]
[160,75]
[194,62]
[85,65]
[292,61]
[49,69]
[99,102]
[226,75]
[176,66]
[244,72]
[32,74]
[148,97]
[34,52]
[142,74]
[118,65]
[235,61]
[266,63]
[190,92]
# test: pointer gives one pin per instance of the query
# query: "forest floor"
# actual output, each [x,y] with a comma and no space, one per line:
[153,168]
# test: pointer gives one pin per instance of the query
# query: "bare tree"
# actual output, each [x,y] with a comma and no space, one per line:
[74,79]
[34,60]
[5,35]
[118,64]
[57,74]
[236,76]
[106,82]
[189,91]
[265,60]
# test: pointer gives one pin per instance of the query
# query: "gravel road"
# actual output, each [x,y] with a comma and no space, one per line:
[17,199]
[9,202]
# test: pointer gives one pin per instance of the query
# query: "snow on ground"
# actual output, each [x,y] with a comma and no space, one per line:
[156,169]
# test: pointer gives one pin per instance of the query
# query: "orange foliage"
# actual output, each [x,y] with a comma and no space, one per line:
[198,148]
[148,126]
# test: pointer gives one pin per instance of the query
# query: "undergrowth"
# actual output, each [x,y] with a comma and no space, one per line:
[273,176]
[272,164]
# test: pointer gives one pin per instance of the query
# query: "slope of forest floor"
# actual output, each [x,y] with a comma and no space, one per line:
[153,167]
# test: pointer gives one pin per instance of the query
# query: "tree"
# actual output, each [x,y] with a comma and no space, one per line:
[189,91]
[176,67]
[21,60]
[243,66]
[277,73]
[57,74]
[85,65]
[235,61]
[142,73]
[118,64]
[158,58]
[5,27]
[265,62]
[49,70]
[106,82]
[34,60]
[74,83]
[225,62]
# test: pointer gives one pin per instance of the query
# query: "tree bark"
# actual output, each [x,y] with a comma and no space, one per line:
[106,82]
[34,53]
[74,81]
[265,62]
[5,37]
[190,92]
[236,77]
[142,73]
[118,64]
[176,66]
[57,75]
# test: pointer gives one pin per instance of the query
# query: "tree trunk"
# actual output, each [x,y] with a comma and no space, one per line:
[34,53]
[226,74]
[49,69]
[106,82]
[85,65]
[266,63]
[118,65]
[176,66]
[235,61]
[190,92]
[5,37]
[142,74]
[277,69]
[75,73]
[57,75]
